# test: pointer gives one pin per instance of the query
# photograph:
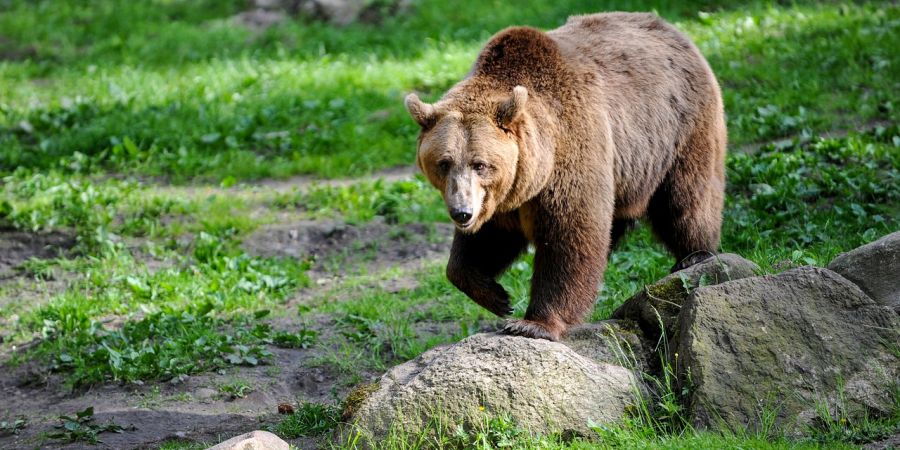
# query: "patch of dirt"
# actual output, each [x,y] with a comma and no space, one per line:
[9,51]
[281,186]
[388,175]
[193,408]
[17,247]
[892,442]
[338,248]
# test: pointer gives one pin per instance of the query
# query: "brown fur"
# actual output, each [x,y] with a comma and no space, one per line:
[563,139]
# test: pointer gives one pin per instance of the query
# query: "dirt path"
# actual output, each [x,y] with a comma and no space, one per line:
[297,183]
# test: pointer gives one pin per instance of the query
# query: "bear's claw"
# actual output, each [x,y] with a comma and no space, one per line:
[531,329]
[501,310]
[690,260]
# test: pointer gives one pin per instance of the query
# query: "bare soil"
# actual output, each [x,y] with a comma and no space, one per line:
[16,247]
[337,248]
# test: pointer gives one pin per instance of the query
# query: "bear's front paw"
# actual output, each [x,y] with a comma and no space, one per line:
[532,329]
[493,298]
[500,308]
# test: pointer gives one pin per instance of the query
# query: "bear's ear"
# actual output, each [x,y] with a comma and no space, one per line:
[421,112]
[511,109]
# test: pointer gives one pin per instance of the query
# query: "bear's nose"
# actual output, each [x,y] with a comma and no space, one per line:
[460,215]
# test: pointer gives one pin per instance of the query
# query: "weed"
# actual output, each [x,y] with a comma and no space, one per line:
[298,339]
[13,426]
[81,428]
[662,412]
[151,399]
[397,202]
[835,422]
[309,419]
[181,329]
[236,389]
[183,445]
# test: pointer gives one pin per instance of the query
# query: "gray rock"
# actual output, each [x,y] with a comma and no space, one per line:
[254,440]
[875,268]
[616,342]
[543,386]
[662,300]
[338,12]
[784,343]
[259,19]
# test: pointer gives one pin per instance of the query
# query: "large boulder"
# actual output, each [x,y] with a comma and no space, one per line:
[543,386]
[784,344]
[875,268]
[661,301]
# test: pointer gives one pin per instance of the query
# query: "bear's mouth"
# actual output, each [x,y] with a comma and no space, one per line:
[467,226]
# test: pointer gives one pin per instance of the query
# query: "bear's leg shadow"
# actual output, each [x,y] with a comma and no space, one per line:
[476,260]
[686,210]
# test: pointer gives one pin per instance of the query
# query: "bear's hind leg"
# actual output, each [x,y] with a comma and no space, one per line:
[476,260]
[686,210]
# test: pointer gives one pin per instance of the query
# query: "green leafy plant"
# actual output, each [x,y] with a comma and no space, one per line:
[81,428]
[297,339]
[13,426]
[236,389]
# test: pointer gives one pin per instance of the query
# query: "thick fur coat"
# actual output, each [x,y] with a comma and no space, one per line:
[562,139]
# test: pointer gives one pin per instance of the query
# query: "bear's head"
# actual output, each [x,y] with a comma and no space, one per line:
[478,152]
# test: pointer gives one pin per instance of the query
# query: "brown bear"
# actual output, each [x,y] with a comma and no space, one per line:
[563,139]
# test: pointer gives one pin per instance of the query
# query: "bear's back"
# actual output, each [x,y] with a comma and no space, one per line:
[656,88]
[641,48]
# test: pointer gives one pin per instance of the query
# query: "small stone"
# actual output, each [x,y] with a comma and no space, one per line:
[254,440]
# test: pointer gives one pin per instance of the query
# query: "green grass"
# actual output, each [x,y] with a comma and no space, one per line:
[493,432]
[183,95]
[200,313]
[310,419]
[138,128]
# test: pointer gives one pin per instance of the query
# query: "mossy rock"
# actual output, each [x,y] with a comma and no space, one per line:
[656,307]
[789,345]
[355,398]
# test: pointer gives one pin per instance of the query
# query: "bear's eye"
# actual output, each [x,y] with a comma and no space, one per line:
[479,166]
[443,165]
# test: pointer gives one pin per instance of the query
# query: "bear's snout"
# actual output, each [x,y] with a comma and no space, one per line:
[461,215]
